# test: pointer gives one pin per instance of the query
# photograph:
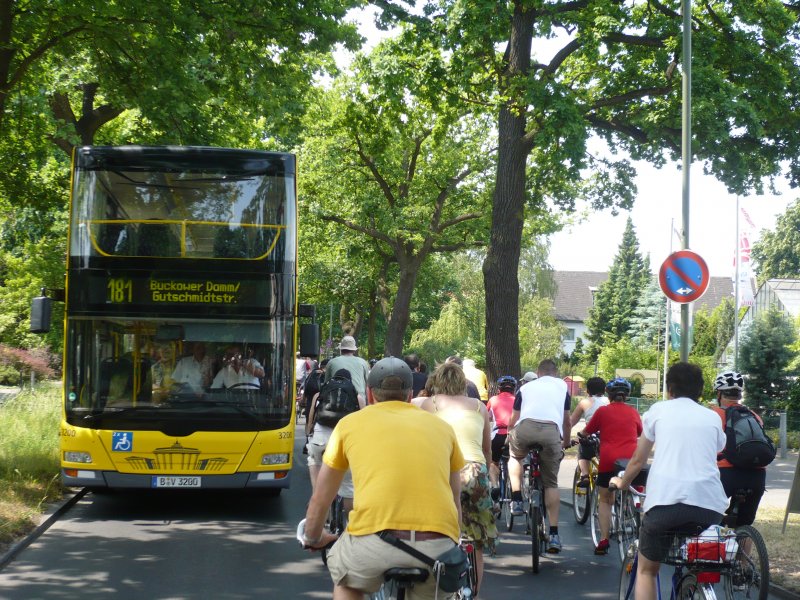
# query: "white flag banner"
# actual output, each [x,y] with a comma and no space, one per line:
[742,263]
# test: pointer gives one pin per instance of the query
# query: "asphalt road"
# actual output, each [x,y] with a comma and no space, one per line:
[233,545]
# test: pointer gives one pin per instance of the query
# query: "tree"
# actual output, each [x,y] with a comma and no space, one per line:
[617,297]
[540,335]
[615,76]
[403,171]
[777,253]
[646,327]
[764,356]
[622,354]
[190,71]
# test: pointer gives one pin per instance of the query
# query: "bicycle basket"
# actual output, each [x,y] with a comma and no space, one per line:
[715,545]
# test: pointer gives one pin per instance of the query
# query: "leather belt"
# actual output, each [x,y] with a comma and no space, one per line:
[419,536]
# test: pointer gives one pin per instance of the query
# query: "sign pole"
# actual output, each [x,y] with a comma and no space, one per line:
[686,59]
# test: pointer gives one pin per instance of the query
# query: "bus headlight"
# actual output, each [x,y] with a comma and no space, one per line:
[274,459]
[78,457]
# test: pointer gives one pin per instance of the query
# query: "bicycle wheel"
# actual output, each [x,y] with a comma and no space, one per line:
[580,498]
[536,535]
[627,575]
[594,518]
[749,573]
[505,507]
[626,518]
[689,589]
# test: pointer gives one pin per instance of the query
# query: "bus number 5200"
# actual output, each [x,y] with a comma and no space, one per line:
[120,290]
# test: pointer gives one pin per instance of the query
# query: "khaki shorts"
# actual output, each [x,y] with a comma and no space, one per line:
[315,452]
[359,562]
[529,432]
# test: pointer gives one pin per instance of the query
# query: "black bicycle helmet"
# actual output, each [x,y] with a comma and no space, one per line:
[729,380]
[507,384]
[618,386]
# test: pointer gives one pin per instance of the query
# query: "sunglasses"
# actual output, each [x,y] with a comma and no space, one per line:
[732,393]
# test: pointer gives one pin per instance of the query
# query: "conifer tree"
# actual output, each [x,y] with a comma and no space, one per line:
[617,298]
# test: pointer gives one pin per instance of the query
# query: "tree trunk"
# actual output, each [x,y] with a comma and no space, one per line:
[500,267]
[398,322]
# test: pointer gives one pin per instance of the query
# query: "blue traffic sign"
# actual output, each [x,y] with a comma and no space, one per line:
[683,276]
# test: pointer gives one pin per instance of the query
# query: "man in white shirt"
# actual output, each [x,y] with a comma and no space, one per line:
[237,370]
[684,492]
[194,372]
[540,416]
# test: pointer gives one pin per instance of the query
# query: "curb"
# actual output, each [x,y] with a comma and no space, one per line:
[60,509]
[774,589]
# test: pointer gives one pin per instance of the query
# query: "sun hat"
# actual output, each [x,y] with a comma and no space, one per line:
[390,373]
[348,343]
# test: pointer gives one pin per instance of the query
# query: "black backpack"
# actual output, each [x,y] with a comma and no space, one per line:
[337,398]
[747,444]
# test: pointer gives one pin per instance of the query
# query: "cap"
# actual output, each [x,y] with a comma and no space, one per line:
[529,376]
[348,343]
[390,373]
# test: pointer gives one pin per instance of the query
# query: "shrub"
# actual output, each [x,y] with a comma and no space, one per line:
[15,363]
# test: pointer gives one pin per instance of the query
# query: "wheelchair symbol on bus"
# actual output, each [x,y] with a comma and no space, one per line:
[122,441]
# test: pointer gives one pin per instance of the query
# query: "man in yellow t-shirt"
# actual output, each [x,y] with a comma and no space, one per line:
[405,464]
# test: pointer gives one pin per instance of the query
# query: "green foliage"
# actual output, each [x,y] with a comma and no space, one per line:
[712,332]
[647,320]
[16,363]
[401,173]
[622,354]
[617,298]
[777,253]
[540,334]
[764,357]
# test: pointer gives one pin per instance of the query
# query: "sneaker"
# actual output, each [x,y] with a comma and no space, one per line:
[602,548]
[554,544]
[583,482]
[516,509]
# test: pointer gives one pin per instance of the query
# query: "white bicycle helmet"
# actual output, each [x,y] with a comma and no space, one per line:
[729,380]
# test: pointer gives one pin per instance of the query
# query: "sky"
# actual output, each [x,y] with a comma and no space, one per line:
[592,242]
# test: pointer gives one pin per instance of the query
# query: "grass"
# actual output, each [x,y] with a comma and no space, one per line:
[782,548]
[29,467]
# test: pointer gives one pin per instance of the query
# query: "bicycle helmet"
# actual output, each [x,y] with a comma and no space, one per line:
[507,384]
[729,380]
[618,386]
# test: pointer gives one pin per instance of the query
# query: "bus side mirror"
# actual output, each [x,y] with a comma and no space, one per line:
[41,308]
[306,310]
[309,339]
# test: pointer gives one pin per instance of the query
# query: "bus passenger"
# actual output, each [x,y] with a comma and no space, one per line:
[238,371]
[194,372]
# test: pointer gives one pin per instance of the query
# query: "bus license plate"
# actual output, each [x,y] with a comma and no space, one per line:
[167,481]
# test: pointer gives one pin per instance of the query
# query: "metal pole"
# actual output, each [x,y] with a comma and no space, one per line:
[667,342]
[782,434]
[737,258]
[686,154]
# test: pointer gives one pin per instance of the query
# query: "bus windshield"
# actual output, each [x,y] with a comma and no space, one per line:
[139,374]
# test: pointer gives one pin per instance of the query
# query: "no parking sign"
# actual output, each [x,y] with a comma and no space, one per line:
[683,276]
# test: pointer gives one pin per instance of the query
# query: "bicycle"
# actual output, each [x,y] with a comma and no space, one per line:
[533,495]
[626,512]
[582,496]
[737,557]
[336,522]
[504,483]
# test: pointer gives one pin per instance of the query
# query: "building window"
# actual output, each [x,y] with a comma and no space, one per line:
[569,335]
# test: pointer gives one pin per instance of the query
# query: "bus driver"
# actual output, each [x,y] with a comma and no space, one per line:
[238,371]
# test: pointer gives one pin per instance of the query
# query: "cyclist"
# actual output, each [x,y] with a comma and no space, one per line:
[540,416]
[500,407]
[469,418]
[729,387]
[683,487]
[619,426]
[406,465]
[595,387]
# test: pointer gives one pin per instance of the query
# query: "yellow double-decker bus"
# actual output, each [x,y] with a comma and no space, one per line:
[181,319]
